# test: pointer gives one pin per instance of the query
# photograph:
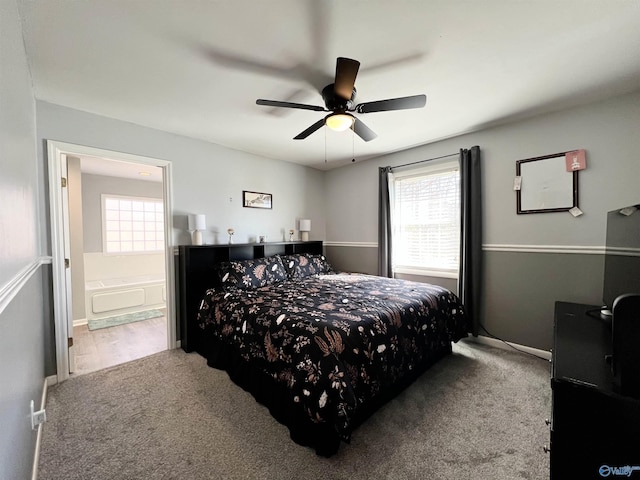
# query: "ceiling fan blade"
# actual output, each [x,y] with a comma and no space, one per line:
[363,131]
[346,72]
[310,130]
[302,106]
[402,103]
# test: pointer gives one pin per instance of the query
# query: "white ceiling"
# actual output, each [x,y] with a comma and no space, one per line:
[196,67]
[117,168]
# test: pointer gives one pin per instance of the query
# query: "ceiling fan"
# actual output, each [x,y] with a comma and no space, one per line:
[339,100]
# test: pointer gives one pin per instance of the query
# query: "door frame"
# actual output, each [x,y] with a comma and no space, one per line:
[56,154]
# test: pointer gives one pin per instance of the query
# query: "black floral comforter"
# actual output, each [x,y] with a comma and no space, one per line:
[335,341]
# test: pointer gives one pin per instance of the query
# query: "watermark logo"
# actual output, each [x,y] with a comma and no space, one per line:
[625,471]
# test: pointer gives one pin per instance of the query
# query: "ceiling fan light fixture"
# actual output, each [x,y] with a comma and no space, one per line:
[339,99]
[339,121]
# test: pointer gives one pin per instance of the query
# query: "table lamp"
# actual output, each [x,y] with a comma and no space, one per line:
[197,223]
[305,228]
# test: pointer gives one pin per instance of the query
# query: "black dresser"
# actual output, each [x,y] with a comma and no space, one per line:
[595,432]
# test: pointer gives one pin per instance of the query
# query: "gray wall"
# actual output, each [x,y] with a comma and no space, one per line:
[360,259]
[23,272]
[93,186]
[520,287]
[364,259]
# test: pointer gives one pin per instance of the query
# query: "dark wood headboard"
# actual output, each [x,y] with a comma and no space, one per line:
[196,273]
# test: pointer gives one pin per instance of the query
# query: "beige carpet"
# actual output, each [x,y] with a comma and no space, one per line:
[477,414]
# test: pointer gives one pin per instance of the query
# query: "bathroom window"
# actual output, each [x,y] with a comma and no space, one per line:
[132,224]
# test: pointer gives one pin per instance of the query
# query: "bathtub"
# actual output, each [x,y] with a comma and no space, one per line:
[116,296]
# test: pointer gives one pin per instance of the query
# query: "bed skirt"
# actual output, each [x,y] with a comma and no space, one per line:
[277,398]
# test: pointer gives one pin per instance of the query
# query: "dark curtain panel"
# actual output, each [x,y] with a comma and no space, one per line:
[470,276]
[384,224]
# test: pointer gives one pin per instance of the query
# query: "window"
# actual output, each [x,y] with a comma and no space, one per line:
[426,221]
[132,224]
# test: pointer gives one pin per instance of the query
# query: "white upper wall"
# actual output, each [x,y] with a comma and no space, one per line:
[18,186]
[207,178]
[607,130]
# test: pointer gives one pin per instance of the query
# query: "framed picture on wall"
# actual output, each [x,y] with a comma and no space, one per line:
[256,199]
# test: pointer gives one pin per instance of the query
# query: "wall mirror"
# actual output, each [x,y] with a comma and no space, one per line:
[545,185]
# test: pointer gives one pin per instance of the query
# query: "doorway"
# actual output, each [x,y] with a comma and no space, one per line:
[95,285]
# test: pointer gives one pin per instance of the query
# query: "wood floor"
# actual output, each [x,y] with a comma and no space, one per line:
[106,347]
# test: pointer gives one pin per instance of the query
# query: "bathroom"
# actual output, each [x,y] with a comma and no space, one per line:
[117,258]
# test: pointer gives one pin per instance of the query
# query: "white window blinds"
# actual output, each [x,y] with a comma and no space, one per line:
[426,221]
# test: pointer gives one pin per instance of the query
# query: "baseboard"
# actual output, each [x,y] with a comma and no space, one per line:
[493,342]
[51,380]
[48,381]
[80,321]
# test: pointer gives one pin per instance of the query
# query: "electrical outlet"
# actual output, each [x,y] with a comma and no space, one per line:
[37,417]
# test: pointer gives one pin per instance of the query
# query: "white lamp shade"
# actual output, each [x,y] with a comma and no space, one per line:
[197,222]
[305,225]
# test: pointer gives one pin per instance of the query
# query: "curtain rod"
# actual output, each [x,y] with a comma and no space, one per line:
[427,160]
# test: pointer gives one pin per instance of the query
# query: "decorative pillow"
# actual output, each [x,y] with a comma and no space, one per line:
[246,274]
[305,264]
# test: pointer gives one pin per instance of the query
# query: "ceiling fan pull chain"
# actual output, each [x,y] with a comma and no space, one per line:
[353,146]
[325,145]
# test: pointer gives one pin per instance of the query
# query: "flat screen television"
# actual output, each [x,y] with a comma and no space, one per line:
[621,296]
[622,255]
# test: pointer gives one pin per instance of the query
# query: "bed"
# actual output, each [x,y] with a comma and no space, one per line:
[321,349]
